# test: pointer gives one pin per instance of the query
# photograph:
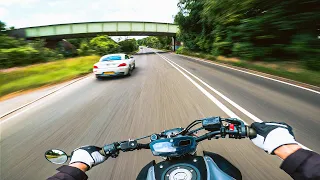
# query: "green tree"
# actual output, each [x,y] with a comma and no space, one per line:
[252,29]
[190,22]
[17,52]
[104,45]
[77,41]
[165,42]
[160,42]
[128,45]
[2,26]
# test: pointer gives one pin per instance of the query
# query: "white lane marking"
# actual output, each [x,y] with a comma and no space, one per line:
[205,92]
[57,91]
[247,113]
[198,59]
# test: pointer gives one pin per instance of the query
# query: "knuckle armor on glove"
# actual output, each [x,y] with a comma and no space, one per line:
[271,135]
[88,155]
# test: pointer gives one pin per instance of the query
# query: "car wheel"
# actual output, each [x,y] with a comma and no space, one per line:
[129,71]
[98,77]
[134,66]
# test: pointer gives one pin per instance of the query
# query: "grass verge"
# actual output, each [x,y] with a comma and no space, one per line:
[303,75]
[29,77]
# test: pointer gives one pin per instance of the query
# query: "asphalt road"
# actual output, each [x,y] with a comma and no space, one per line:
[156,97]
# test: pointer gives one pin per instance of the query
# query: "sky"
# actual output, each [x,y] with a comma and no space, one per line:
[27,13]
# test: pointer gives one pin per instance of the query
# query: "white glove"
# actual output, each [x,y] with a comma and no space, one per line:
[271,135]
[88,155]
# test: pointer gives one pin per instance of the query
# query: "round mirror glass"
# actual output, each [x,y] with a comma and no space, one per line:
[56,156]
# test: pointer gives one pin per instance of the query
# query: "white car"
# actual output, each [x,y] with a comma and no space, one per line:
[114,65]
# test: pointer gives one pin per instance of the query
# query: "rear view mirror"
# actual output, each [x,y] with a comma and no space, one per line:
[131,57]
[56,156]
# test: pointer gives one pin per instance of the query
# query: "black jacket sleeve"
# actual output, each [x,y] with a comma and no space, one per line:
[302,164]
[69,173]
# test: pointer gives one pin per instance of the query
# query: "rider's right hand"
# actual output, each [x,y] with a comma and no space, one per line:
[88,155]
[271,135]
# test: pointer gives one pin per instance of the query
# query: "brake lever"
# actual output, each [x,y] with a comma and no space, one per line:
[234,121]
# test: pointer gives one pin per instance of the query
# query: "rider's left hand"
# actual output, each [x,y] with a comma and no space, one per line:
[88,155]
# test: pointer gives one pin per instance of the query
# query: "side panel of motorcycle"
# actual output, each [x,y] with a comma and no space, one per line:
[151,174]
[224,165]
[214,172]
[144,172]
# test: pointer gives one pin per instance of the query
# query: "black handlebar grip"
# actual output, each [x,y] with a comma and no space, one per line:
[251,133]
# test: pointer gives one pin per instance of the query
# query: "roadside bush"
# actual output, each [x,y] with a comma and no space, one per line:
[243,50]
[181,50]
[26,55]
[17,52]
[7,42]
[221,48]
[313,64]
[19,56]
[306,48]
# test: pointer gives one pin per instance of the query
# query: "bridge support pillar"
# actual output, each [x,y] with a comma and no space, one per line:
[61,44]
[174,43]
[52,44]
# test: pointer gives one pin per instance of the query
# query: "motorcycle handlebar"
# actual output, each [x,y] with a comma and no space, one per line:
[233,133]
[131,145]
[114,148]
[143,146]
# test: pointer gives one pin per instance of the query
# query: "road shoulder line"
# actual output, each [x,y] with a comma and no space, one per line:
[254,74]
[48,94]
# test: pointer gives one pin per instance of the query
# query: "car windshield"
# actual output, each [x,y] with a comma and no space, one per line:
[111,58]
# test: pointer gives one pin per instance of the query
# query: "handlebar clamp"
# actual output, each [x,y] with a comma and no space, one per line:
[128,145]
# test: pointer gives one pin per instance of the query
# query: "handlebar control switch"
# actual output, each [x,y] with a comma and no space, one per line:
[110,150]
[211,123]
[231,127]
